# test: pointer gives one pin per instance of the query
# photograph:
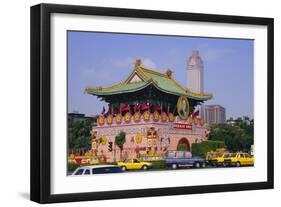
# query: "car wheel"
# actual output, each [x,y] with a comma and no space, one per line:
[144,167]
[123,168]
[197,164]
[174,166]
[237,164]
[203,164]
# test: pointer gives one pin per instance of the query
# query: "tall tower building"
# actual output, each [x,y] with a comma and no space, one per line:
[195,77]
[195,73]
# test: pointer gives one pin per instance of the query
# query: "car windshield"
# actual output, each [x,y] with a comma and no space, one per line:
[113,169]
[180,154]
[247,155]
[79,172]
[229,155]
[171,154]
[87,172]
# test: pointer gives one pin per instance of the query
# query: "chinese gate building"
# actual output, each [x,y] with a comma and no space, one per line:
[155,113]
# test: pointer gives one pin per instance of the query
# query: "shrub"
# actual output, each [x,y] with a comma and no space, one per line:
[182,147]
[72,166]
[201,149]
[159,164]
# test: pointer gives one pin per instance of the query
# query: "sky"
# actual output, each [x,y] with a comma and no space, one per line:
[102,59]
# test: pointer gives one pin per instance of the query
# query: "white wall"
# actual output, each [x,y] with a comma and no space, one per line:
[14,90]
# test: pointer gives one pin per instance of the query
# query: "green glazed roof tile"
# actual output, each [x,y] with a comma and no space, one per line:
[162,81]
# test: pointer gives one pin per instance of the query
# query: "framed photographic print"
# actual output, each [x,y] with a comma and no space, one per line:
[132,103]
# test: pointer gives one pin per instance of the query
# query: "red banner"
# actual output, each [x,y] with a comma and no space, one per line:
[182,126]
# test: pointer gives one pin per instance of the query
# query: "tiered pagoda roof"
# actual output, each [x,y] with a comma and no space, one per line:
[141,77]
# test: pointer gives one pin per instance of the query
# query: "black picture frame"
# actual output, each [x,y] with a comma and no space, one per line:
[41,96]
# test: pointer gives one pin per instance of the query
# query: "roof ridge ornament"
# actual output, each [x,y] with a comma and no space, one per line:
[138,63]
[169,73]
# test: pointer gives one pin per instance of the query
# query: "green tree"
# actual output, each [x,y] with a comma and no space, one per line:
[79,137]
[201,149]
[120,140]
[237,136]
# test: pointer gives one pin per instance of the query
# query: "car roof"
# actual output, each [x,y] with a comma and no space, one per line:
[177,151]
[131,159]
[98,166]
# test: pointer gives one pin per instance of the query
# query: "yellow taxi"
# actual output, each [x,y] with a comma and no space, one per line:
[218,160]
[239,159]
[134,164]
[216,157]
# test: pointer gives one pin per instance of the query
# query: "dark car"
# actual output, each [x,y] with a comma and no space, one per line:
[177,159]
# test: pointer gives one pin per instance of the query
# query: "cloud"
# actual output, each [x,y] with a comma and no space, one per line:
[111,71]
[129,62]
[146,62]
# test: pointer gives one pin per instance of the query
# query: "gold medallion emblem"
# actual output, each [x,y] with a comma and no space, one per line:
[103,140]
[138,138]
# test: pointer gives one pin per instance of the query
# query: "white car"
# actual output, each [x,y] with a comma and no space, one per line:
[97,169]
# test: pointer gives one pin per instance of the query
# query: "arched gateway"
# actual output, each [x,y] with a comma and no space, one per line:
[183,145]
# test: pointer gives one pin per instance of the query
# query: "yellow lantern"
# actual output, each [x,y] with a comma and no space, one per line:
[118,118]
[171,117]
[127,117]
[137,116]
[146,116]
[156,116]
[109,119]
[101,120]
[163,117]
